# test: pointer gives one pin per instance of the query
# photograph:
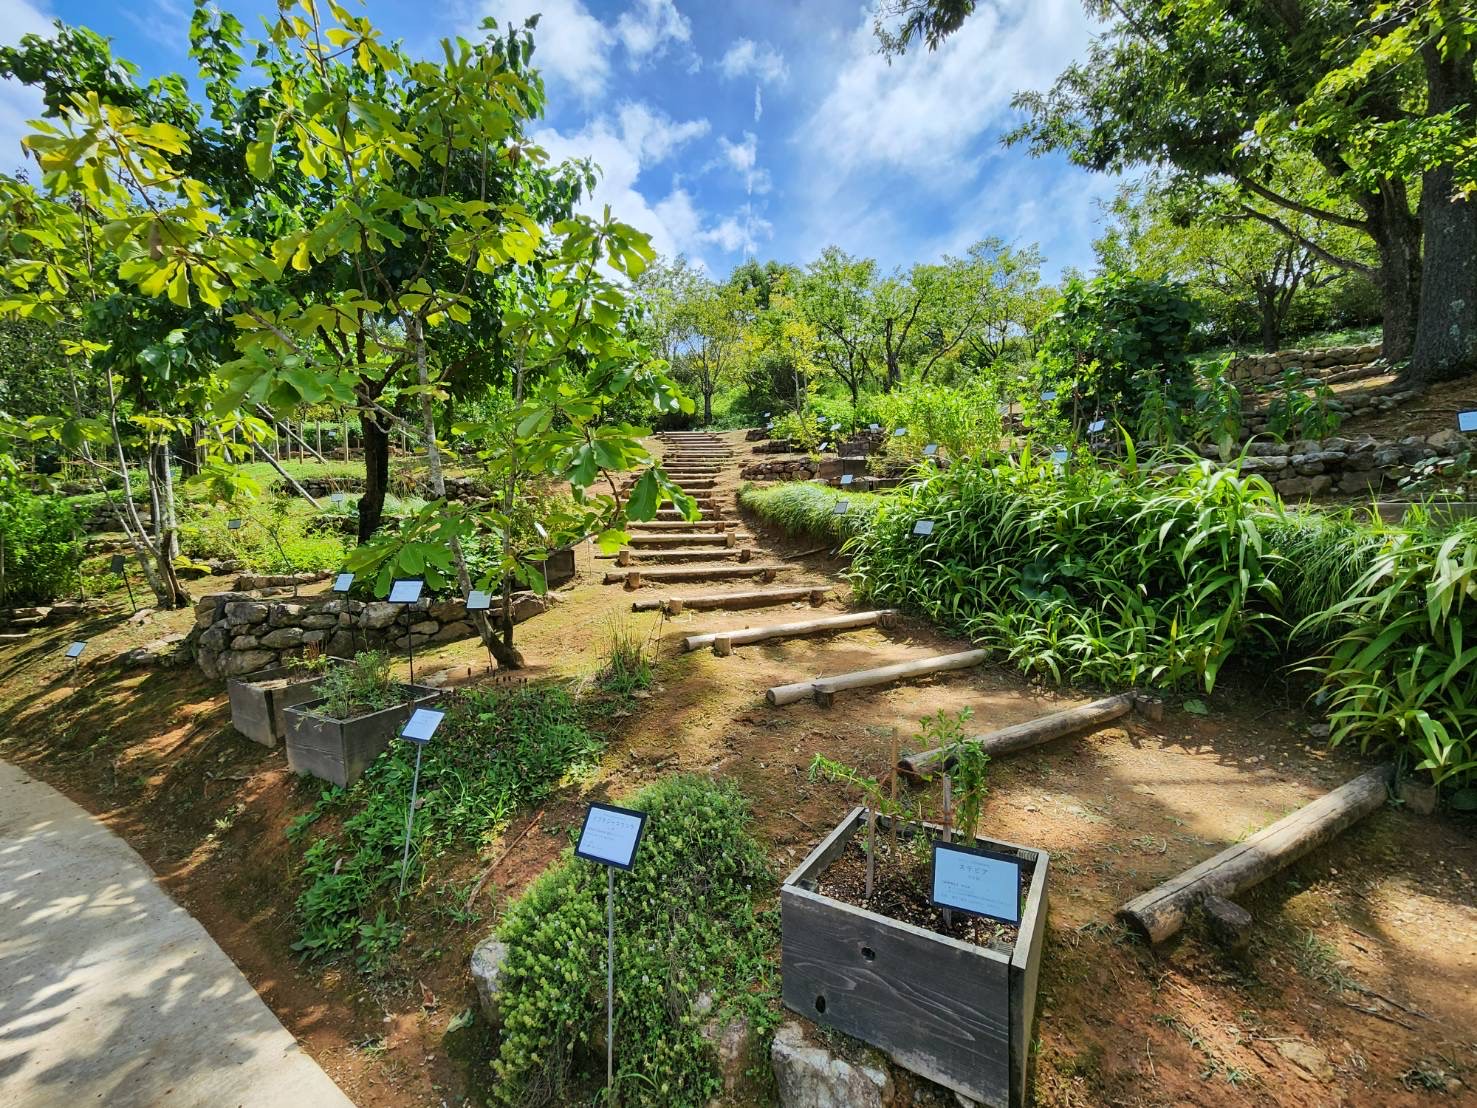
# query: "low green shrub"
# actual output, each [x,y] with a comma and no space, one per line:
[807,511]
[277,535]
[497,751]
[686,924]
[40,554]
[964,420]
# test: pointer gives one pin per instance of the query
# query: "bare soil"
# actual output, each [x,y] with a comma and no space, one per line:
[1360,986]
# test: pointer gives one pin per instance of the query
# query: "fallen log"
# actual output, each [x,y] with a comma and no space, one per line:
[693,573]
[1161,912]
[1031,733]
[824,689]
[849,621]
[757,598]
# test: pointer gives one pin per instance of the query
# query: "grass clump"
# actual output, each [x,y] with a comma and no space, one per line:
[686,924]
[806,511]
[498,750]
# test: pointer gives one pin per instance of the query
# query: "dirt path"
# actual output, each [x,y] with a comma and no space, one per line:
[110,992]
[1360,986]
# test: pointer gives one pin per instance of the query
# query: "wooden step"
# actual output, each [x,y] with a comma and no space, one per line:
[723,642]
[628,557]
[824,689]
[635,578]
[754,598]
[678,525]
[694,538]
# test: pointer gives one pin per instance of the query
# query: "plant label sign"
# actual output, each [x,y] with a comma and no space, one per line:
[981,882]
[76,649]
[406,591]
[117,564]
[233,525]
[1060,456]
[422,725]
[338,497]
[1096,425]
[930,450]
[900,432]
[479,601]
[847,478]
[874,427]
[923,527]
[343,582]
[1466,421]
[1049,394]
[841,508]
[610,835]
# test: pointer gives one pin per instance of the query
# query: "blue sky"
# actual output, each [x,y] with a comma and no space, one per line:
[767,128]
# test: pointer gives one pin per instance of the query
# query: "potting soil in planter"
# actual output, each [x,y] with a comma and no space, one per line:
[900,889]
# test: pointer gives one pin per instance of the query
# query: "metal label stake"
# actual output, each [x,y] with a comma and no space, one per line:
[407,592]
[418,729]
[610,836]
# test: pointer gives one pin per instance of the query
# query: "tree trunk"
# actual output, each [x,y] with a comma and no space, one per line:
[376,474]
[1271,329]
[1397,236]
[707,407]
[1446,329]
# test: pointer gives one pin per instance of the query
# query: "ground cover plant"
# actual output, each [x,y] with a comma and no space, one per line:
[40,552]
[498,750]
[689,923]
[807,511]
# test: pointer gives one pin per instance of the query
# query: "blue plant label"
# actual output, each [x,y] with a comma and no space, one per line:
[479,601]
[1004,409]
[118,564]
[406,591]
[900,432]
[1049,394]
[76,649]
[768,414]
[923,527]
[422,725]
[337,497]
[1059,456]
[1467,421]
[825,446]
[847,478]
[1096,425]
[930,450]
[610,835]
[841,508]
[874,427]
[233,525]
[343,582]
[981,882]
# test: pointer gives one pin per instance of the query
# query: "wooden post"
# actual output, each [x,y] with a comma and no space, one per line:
[723,645]
[1161,912]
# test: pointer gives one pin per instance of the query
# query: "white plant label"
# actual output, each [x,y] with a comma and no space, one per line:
[611,835]
[981,882]
[479,601]
[1096,425]
[406,592]
[343,582]
[930,450]
[923,527]
[76,649]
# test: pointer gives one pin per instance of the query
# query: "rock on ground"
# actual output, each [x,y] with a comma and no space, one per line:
[811,1076]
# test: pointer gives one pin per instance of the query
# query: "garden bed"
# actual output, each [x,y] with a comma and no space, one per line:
[949,1009]
[259,699]
[340,750]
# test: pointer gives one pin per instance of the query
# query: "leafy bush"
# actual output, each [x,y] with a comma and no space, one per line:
[1303,408]
[498,750]
[804,510]
[40,554]
[1119,347]
[277,535]
[1092,574]
[358,687]
[686,923]
[964,421]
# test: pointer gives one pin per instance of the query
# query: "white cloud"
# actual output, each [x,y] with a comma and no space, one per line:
[648,26]
[571,46]
[18,103]
[627,145]
[926,111]
[757,59]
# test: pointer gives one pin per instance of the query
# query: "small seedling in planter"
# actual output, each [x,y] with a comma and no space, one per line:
[875,797]
[357,687]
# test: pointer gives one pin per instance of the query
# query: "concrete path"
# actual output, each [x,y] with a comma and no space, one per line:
[110,992]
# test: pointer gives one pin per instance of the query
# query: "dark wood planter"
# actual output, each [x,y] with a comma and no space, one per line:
[257,701]
[558,568]
[340,750]
[950,1011]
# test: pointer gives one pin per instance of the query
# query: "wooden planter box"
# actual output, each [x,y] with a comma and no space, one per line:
[953,1012]
[558,567]
[340,750]
[257,703]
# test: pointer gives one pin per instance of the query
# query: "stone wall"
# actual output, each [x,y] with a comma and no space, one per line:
[803,468]
[1254,415]
[1322,363]
[1318,467]
[241,632]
